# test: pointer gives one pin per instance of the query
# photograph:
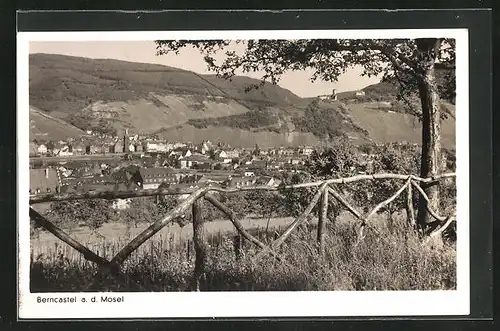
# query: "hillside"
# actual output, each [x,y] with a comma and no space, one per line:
[385,94]
[66,83]
[111,95]
[46,127]
[389,126]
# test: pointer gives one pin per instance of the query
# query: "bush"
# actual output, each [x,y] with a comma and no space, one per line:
[252,119]
[91,212]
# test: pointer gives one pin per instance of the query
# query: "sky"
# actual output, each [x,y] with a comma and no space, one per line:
[189,59]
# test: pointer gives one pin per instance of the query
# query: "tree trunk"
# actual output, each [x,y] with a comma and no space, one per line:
[323,213]
[200,243]
[431,126]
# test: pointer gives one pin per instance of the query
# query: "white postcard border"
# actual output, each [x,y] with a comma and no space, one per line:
[248,304]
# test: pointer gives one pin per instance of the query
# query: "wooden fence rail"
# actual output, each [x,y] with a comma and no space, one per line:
[194,201]
[111,195]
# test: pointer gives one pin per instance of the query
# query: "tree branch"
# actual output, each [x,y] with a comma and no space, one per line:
[87,253]
[426,198]
[281,239]
[389,200]
[232,217]
[157,226]
[441,229]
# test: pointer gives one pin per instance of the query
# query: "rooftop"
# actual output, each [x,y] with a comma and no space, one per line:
[156,172]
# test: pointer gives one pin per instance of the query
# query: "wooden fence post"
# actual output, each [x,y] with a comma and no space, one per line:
[409,206]
[323,212]
[200,243]
[237,245]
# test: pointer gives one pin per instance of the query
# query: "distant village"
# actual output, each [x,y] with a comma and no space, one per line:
[101,162]
[128,163]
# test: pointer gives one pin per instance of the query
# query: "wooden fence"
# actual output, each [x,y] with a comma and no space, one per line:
[321,196]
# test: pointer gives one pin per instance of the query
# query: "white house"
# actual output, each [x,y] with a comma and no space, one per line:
[120,204]
[65,151]
[332,96]
[222,154]
[360,93]
[178,145]
[306,151]
[156,146]
[188,153]
[42,149]
[185,164]
[204,147]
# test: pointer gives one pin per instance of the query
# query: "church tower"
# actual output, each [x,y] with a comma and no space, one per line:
[126,142]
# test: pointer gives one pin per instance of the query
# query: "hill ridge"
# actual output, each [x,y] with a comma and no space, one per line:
[177,103]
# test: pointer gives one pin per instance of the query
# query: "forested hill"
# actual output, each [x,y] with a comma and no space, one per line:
[112,95]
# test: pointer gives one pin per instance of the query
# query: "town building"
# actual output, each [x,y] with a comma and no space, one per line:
[329,97]
[185,164]
[117,147]
[44,181]
[306,151]
[248,173]
[267,181]
[126,143]
[156,146]
[78,148]
[242,181]
[42,149]
[96,149]
[152,178]
[286,151]
[121,204]
[189,160]
[66,150]
[232,154]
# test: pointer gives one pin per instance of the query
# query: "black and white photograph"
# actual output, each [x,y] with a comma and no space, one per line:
[268,172]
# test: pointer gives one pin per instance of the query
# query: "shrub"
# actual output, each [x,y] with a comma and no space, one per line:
[91,212]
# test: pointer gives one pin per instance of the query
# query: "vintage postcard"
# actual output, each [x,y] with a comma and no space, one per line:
[243,173]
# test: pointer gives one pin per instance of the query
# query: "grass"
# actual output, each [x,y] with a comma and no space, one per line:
[394,260]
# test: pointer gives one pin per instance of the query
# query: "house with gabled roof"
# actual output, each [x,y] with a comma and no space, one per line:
[267,181]
[242,181]
[78,148]
[42,149]
[152,178]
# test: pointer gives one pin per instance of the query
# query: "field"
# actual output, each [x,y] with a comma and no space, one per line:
[46,127]
[395,259]
[384,126]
